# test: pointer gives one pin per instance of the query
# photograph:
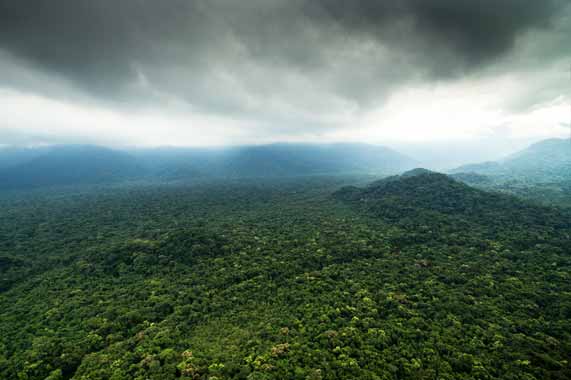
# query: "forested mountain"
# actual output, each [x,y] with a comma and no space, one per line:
[70,165]
[65,165]
[545,161]
[412,277]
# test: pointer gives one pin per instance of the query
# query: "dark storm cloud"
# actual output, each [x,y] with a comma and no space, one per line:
[475,30]
[260,55]
[93,42]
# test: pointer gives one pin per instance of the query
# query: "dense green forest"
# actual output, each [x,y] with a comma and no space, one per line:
[411,277]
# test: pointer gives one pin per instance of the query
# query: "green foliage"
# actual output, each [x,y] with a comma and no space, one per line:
[417,278]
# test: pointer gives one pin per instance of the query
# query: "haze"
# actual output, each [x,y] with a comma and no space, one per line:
[484,77]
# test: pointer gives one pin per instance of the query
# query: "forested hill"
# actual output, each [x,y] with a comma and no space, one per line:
[422,197]
[545,161]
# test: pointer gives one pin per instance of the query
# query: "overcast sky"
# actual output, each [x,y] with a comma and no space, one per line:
[211,72]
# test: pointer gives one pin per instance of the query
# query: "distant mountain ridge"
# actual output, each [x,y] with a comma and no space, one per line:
[278,160]
[545,161]
[69,165]
[13,156]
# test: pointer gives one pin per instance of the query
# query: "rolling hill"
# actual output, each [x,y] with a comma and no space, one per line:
[422,197]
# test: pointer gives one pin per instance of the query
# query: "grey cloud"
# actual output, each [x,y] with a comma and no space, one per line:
[263,58]
[22,136]
[476,30]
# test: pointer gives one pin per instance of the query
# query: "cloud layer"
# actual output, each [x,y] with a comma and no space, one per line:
[276,67]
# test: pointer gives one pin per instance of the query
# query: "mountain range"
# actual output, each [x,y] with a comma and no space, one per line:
[67,165]
[548,161]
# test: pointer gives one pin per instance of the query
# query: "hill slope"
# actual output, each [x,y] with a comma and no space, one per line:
[70,165]
[421,197]
[545,161]
[14,156]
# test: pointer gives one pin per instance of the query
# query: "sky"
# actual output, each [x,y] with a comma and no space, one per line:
[484,76]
